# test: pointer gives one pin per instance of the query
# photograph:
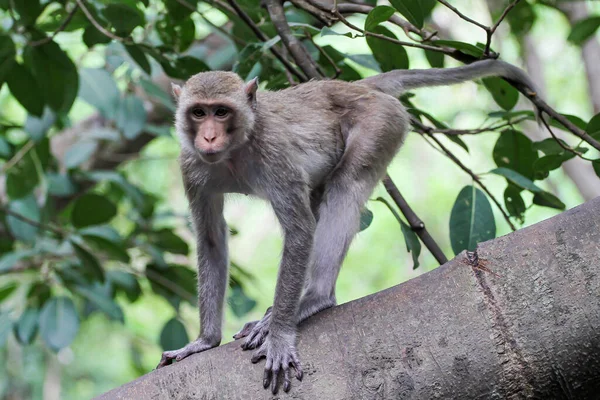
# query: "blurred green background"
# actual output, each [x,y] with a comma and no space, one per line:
[105,352]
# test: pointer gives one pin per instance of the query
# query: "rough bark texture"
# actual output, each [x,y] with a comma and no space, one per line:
[529,329]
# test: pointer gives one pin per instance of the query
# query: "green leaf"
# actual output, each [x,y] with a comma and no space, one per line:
[366,217]
[99,89]
[9,260]
[575,120]
[178,11]
[517,179]
[7,290]
[175,283]
[27,325]
[60,185]
[514,151]
[104,231]
[157,93]
[126,283]
[413,245]
[58,322]
[92,209]
[471,220]
[167,240]
[327,31]
[131,117]
[55,74]
[79,153]
[514,202]
[389,55]
[28,11]
[89,262]
[509,115]
[173,335]
[583,30]
[549,163]
[593,127]
[548,200]
[36,127]
[123,18]
[23,86]
[549,146]
[5,327]
[129,189]
[595,164]
[503,93]
[38,294]
[137,54]
[92,36]
[239,302]
[5,149]
[113,250]
[378,15]
[411,9]
[102,301]
[520,18]
[435,58]
[28,208]
[7,56]
[464,47]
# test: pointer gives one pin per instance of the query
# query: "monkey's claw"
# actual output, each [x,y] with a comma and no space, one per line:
[196,346]
[280,354]
[258,332]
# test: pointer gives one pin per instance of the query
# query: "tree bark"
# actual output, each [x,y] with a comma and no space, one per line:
[520,319]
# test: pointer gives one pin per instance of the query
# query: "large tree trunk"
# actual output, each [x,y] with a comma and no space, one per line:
[521,319]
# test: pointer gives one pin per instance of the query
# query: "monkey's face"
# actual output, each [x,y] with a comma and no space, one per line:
[211,130]
[215,114]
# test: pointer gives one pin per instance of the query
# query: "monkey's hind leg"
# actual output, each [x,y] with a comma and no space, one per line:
[371,147]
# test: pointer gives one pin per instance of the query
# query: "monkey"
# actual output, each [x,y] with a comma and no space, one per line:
[315,151]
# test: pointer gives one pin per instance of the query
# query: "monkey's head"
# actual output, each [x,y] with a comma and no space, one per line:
[215,113]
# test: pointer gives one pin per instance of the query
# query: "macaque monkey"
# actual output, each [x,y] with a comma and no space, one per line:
[315,151]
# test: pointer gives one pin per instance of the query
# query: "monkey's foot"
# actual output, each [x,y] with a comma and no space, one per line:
[255,332]
[196,346]
[280,352]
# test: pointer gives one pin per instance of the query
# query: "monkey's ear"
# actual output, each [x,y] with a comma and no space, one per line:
[251,90]
[176,89]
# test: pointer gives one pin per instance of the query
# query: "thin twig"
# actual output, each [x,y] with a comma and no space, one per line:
[337,70]
[416,224]
[561,144]
[291,42]
[490,31]
[476,178]
[463,16]
[61,28]
[263,38]
[17,157]
[490,128]
[97,25]
[31,222]
[389,39]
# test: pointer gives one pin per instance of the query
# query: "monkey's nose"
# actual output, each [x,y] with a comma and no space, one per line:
[210,139]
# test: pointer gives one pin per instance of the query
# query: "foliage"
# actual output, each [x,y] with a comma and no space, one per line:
[79,236]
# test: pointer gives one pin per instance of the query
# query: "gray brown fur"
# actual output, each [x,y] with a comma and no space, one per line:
[316,152]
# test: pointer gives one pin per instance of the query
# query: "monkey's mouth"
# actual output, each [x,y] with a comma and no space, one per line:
[212,156]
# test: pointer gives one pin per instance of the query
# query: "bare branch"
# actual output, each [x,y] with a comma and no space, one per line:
[263,38]
[291,42]
[97,25]
[490,31]
[463,16]
[61,28]
[414,221]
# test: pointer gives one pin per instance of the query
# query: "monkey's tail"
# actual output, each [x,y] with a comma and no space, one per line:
[396,82]
[399,81]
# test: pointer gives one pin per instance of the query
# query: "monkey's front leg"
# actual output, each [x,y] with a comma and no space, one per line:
[211,232]
[279,347]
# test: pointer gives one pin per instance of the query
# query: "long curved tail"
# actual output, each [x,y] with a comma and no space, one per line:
[397,82]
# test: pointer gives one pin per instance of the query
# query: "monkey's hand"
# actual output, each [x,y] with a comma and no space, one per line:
[255,332]
[280,351]
[196,346]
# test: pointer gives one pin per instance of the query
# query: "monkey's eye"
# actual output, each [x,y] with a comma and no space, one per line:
[221,112]
[198,113]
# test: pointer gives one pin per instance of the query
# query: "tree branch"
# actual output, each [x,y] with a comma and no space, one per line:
[488,321]
[296,49]
[416,224]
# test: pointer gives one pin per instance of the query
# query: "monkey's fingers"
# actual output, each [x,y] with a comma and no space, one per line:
[246,330]
[166,359]
[297,366]
[286,379]
[275,381]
